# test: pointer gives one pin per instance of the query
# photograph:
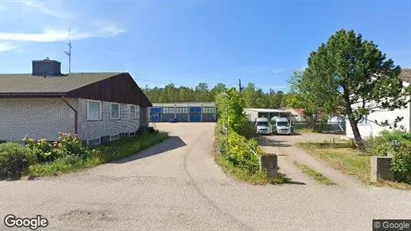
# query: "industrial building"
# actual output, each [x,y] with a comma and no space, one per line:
[254,113]
[183,112]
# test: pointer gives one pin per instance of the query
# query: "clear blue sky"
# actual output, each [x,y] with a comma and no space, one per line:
[187,42]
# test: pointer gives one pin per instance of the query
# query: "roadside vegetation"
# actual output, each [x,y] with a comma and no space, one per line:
[236,150]
[42,158]
[320,178]
[346,157]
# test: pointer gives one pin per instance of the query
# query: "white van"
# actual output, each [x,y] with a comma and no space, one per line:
[263,126]
[281,125]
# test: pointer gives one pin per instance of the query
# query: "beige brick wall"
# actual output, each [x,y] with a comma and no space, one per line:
[37,118]
[44,118]
[95,129]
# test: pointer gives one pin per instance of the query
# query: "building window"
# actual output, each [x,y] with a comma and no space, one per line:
[93,110]
[114,111]
[208,110]
[168,110]
[132,112]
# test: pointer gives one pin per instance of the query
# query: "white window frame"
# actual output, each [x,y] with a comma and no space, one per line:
[88,111]
[119,111]
[135,112]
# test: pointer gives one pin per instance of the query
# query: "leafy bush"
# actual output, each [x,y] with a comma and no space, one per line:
[377,146]
[69,144]
[238,152]
[382,144]
[14,159]
[401,162]
[42,149]
[230,108]
[121,148]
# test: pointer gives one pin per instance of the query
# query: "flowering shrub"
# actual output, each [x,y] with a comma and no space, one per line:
[41,149]
[67,144]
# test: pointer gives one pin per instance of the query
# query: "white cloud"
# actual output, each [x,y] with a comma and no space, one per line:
[277,71]
[52,35]
[51,11]
[7,47]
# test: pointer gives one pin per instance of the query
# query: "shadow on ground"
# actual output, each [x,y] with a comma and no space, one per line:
[173,142]
[267,141]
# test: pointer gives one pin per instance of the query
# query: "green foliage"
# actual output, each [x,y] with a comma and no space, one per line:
[401,163]
[240,153]
[230,108]
[99,155]
[377,146]
[383,144]
[128,146]
[352,76]
[61,165]
[241,165]
[253,96]
[42,149]
[69,144]
[14,159]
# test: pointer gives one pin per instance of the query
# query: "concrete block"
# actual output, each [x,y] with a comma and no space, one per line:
[381,168]
[269,163]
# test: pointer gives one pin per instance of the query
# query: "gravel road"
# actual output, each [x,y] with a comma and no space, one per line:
[176,185]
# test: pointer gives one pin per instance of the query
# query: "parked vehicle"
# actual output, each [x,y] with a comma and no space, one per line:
[263,126]
[281,125]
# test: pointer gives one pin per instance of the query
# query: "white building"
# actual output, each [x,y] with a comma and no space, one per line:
[254,113]
[368,127]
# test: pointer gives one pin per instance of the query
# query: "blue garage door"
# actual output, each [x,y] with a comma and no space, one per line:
[195,114]
[155,114]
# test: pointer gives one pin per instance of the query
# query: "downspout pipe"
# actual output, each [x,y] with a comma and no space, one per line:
[75,115]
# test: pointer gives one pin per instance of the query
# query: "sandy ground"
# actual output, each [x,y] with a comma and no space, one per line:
[176,185]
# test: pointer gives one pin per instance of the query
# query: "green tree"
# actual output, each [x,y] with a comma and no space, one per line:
[230,107]
[352,76]
[217,89]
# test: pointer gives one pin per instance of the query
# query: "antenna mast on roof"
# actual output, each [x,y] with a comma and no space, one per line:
[69,50]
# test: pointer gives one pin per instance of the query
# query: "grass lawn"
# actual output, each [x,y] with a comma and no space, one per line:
[99,155]
[320,178]
[349,161]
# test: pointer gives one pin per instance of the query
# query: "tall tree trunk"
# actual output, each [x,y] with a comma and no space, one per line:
[353,122]
[357,135]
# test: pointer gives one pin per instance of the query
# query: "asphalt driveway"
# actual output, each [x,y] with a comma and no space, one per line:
[176,185]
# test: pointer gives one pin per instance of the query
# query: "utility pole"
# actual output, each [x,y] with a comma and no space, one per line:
[69,50]
[240,89]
